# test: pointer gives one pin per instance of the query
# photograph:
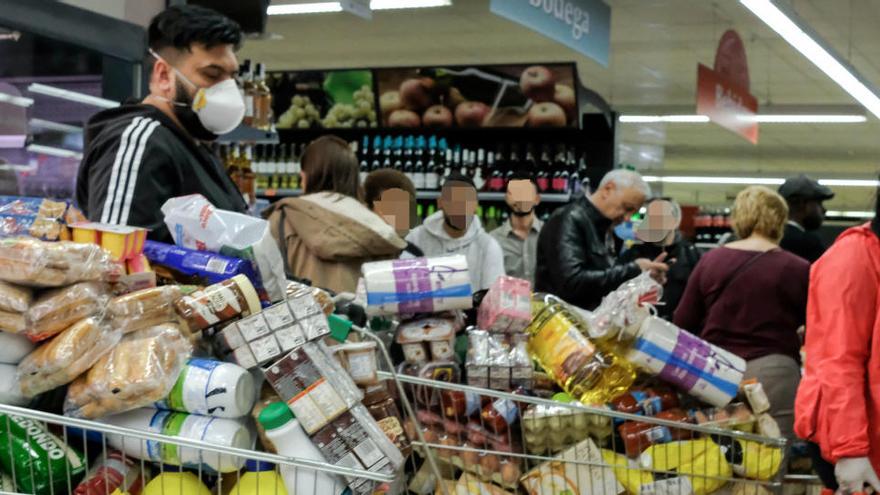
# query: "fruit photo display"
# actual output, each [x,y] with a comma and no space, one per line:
[323,99]
[539,95]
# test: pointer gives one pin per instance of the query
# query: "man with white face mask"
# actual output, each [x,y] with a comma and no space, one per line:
[141,154]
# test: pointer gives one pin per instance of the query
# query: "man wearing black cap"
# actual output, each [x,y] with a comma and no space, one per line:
[805,214]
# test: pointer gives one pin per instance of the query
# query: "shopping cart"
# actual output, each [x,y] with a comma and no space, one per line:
[576,451]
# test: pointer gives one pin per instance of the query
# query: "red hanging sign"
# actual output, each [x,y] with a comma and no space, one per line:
[723,92]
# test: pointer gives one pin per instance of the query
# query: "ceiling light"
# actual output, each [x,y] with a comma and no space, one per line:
[55,126]
[750,181]
[765,119]
[849,214]
[53,151]
[787,26]
[72,96]
[323,7]
[20,101]
[849,183]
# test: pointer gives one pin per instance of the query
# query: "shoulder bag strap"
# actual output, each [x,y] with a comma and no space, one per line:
[739,271]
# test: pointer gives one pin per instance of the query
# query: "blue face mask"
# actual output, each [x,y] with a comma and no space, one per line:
[624,231]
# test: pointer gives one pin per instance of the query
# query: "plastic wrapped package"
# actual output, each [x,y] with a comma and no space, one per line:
[139,371]
[507,307]
[57,309]
[65,357]
[196,224]
[627,472]
[12,322]
[14,299]
[418,285]
[700,464]
[624,309]
[14,347]
[359,359]
[218,303]
[34,217]
[296,290]
[570,473]
[731,417]
[429,339]
[112,474]
[36,263]
[752,460]
[498,361]
[144,308]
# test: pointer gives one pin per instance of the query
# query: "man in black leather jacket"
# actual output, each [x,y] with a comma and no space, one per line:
[577,258]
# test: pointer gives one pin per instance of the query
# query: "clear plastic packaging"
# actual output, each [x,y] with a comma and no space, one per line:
[12,322]
[218,303]
[731,417]
[418,285]
[507,306]
[36,263]
[196,224]
[144,308]
[359,360]
[139,371]
[15,299]
[498,361]
[65,357]
[323,298]
[622,312]
[57,309]
[429,339]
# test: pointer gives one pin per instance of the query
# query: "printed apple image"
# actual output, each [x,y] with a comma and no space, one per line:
[564,97]
[471,113]
[437,116]
[538,83]
[416,93]
[389,102]
[546,114]
[404,118]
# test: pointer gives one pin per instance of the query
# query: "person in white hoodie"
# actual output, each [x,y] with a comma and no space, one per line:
[455,229]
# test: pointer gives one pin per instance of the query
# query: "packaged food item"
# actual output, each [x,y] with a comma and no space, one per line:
[756,396]
[322,297]
[113,473]
[14,347]
[639,436]
[12,322]
[647,402]
[218,303]
[172,481]
[699,368]
[34,263]
[144,308]
[469,484]
[10,389]
[289,438]
[731,417]
[419,285]
[122,241]
[212,388]
[500,415]
[381,406]
[15,299]
[316,390]
[555,428]
[66,356]
[459,405]
[277,330]
[768,427]
[427,339]
[577,470]
[589,374]
[57,309]
[259,478]
[218,431]
[197,224]
[507,307]
[359,359]
[35,217]
[622,312]
[139,371]
[187,266]
[749,459]
[700,464]
[498,361]
[41,462]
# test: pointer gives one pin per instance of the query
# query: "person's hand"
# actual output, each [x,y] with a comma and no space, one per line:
[656,267]
[853,473]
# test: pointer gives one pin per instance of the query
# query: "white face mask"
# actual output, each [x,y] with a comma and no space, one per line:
[220,108]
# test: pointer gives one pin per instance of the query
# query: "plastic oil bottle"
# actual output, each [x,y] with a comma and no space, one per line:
[591,372]
[259,478]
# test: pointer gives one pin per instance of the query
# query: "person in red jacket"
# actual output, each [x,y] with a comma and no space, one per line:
[838,401]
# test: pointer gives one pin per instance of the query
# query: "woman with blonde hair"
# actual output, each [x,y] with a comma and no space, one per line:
[750,297]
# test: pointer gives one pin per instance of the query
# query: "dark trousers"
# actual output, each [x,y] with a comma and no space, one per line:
[823,468]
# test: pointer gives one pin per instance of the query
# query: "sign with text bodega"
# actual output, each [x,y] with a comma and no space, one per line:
[582,25]
[723,91]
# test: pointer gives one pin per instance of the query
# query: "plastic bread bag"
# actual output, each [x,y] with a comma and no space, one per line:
[12,322]
[144,308]
[139,371]
[56,309]
[36,263]
[624,309]
[65,357]
[14,347]
[196,224]
[14,299]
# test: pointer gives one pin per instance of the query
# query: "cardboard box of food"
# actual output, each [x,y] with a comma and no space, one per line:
[577,470]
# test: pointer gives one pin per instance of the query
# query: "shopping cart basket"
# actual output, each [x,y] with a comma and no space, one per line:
[576,450]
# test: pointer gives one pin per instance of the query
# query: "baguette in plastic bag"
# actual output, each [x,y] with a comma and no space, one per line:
[139,371]
[144,308]
[54,264]
[56,309]
[65,357]
[14,299]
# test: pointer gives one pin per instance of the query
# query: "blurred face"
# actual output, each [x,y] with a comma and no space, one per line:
[394,207]
[618,204]
[522,197]
[814,214]
[659,224]
[459,203]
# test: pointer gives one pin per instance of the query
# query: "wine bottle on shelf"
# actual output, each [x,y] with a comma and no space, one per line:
[364,159]
[397,154]
[495,176]
[582,185]
[574,177]
[294,166]
[262,100]
[419,164]
[387,144]
[542,168]
[559,182]
[513,164]
[408,165]
[376,154]
[431,168]
[448,162]
[259,166]
[272,175]
[479,170]
[249,90]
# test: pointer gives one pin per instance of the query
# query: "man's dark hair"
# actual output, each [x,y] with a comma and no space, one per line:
[379,181]
[459,179]
[181,26]
[524,175]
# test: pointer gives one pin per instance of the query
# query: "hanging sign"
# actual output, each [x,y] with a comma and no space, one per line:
[582,25]
[723,91]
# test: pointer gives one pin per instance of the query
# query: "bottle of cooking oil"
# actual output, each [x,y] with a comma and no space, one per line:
[591,372]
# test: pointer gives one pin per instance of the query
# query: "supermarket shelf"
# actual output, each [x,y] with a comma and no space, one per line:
[483,196]
[245,134]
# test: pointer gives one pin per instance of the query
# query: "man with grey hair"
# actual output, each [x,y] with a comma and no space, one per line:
[577,255]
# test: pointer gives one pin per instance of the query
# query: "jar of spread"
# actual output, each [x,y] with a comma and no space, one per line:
[385,412]
[218,303]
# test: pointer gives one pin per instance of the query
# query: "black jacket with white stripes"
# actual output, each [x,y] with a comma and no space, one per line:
[136,158]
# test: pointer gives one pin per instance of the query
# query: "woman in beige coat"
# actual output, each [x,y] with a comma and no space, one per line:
[326,234]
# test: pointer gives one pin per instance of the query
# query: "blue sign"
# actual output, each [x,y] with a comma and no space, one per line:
[582,25]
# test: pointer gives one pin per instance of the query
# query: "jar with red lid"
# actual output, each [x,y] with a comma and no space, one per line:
[638,436]
[499,415]
[459,405]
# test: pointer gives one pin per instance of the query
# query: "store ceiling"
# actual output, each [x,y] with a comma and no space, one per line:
[655,47]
